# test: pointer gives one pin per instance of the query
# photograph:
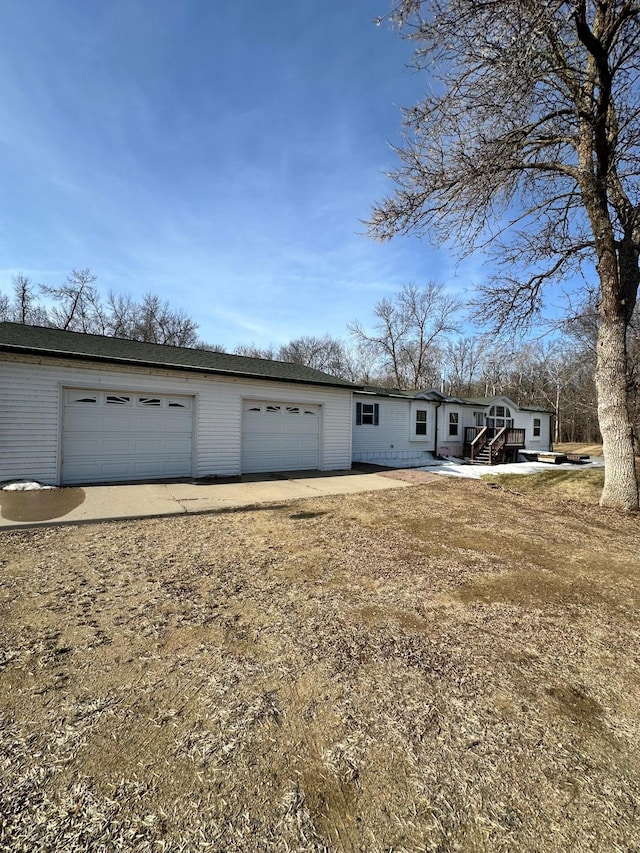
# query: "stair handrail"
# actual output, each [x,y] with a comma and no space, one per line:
[476,448]
[497,443]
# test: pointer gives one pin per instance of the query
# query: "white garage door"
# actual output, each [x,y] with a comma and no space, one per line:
[114,436]
[280,437]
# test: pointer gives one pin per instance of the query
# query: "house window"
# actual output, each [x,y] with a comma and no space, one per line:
[453,423]
[499,417]
[421,421]
[367,414]
[536,427]
[117,400]
[478,418]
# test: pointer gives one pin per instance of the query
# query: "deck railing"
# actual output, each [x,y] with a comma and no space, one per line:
[497,439]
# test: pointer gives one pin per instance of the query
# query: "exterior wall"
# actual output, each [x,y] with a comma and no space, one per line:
[521,420]
[451,445]
[393,440]
[524,420]
[31,407]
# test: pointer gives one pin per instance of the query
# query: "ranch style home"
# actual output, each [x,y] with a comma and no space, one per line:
[79,408]
[405,428]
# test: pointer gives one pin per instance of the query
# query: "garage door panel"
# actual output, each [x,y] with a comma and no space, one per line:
[282,443]
[177,446]
[106,442]
[280,437]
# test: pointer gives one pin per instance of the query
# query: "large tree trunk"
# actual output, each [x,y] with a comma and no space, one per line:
[620,481]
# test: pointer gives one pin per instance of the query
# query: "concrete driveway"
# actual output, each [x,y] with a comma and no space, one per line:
[72,505]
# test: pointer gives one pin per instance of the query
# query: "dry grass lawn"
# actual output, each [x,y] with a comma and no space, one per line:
[449,667]
[578,447]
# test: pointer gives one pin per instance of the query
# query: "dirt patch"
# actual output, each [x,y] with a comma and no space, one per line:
[40,505]
[450,667]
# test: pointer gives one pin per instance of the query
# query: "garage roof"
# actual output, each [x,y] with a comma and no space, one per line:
[40,340]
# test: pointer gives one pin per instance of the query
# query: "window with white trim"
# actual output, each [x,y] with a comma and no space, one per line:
[420,422]
[454,420]
[499,417]
[367,414]
[537,424]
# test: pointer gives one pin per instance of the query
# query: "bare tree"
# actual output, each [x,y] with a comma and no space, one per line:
[204,345]
[121,312]
[326,353]
[406,337]
[253,351]
[528,143]
[156,322]
[75,303]
[463,358]
[77,306]
[23,307]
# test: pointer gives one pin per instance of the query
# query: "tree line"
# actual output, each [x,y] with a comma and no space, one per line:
[415,342]
[77,306]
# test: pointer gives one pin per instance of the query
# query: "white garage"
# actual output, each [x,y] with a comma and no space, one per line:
[112,436]
[279,436]
[79,408]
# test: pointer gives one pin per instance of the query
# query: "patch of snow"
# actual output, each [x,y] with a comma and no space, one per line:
[25,486]
[475,472]
[449,467]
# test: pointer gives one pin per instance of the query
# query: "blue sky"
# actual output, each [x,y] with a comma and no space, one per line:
[221,155]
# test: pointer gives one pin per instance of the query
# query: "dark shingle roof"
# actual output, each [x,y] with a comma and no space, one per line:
[485,401]
[16,337]
[434,396]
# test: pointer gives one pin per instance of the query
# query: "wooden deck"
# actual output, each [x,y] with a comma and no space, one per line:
[492,446]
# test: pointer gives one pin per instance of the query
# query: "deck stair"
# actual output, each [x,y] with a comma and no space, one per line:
[492,446]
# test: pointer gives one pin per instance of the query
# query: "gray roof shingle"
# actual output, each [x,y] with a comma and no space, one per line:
[16,337]
[434,396]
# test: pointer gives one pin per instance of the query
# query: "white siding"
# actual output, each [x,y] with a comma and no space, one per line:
[450,445]
[30,412]
[392,440]
[524,420]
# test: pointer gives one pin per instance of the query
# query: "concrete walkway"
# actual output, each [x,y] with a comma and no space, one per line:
[72,505]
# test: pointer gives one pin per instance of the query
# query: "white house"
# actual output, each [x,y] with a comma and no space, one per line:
[392,427]
[78,408]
